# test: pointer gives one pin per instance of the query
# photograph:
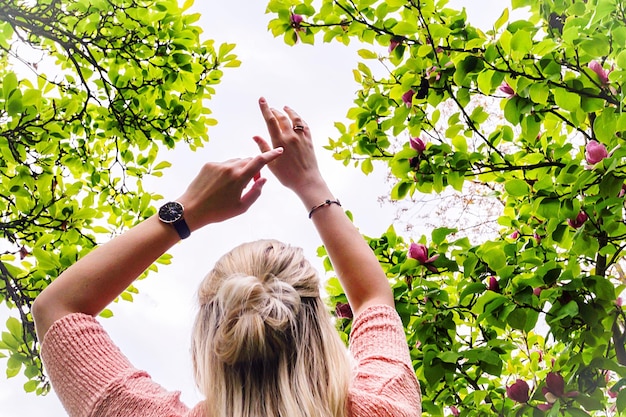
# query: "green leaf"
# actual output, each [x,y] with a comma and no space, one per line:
[15,327]
[440,234]
[566,99]
[367,167]
[504,17]
[620,60]
[539,93]
[604,125]
[400,190]
[106,313]
[521,44]
[517,188]
[367,54]
[621,401]
[471,289]
[9,84]
[31,386]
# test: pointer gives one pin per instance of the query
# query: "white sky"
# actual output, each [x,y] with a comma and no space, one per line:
[316,81]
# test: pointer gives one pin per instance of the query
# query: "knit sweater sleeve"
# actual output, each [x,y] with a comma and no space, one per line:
[92,377]
[384,383]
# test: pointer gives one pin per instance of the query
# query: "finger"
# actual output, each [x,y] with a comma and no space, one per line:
[262,144]
[283,121]
[260,161]
[273,126]
[252,194]
[296,120]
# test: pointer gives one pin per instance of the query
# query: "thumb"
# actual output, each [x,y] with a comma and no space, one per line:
[253,193]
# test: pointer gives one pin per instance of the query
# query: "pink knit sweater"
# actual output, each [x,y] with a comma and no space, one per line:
[93,378]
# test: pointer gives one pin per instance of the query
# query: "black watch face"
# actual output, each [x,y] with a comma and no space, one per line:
[171,212]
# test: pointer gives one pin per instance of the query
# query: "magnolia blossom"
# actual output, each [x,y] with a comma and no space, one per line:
[578,222]
[343,311]
[603,75]
[595,152]
[419,252]
[394,43]
[434,70]
[514,235]
[417,144]
[24,252]
[518,391]
[407,98]
[455,411]
[296,19]
[537,291]
[555,389]
[507,89]
[493,284]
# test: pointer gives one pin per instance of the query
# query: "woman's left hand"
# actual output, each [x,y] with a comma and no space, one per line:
[217,192]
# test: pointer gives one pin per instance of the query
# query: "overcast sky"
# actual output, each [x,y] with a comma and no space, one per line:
[316,81]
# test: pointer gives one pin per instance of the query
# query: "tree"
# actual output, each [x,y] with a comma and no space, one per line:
[528,322]
[90,92]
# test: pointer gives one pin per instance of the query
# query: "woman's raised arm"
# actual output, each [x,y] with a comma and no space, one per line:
[88,286]
[356,265]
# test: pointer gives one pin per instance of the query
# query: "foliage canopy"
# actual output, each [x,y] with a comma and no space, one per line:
[89,93]
[527,323]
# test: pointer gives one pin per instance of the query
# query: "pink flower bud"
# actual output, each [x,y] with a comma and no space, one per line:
[407,98]
[296,19]
[618,301]
[394,43]
[578,222]
[537,238]
[603,75]
[24,252]
[622,191]
[493,284]
[518,391]
[419,252]
[514,235]
[343,311]
[555,385]
[417,144]
[595,152]
[433,70]
[455,411]
[537,291]
[507,89]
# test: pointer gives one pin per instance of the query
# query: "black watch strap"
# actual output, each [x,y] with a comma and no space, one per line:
[173,213]
[182,228]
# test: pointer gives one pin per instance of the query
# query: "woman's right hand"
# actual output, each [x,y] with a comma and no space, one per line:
[297,168]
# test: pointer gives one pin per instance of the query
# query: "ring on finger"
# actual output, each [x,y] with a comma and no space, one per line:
[298,127]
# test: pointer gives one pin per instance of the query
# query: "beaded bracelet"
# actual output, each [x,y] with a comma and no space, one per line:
[325,203]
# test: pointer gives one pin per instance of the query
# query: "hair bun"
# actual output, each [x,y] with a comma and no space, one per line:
[257,318]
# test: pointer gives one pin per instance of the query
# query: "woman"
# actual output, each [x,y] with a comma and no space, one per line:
[263,343]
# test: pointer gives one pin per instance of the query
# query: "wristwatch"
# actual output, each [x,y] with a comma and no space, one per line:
[172,213]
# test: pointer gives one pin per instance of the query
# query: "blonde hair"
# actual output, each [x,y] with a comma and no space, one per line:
[263,343]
